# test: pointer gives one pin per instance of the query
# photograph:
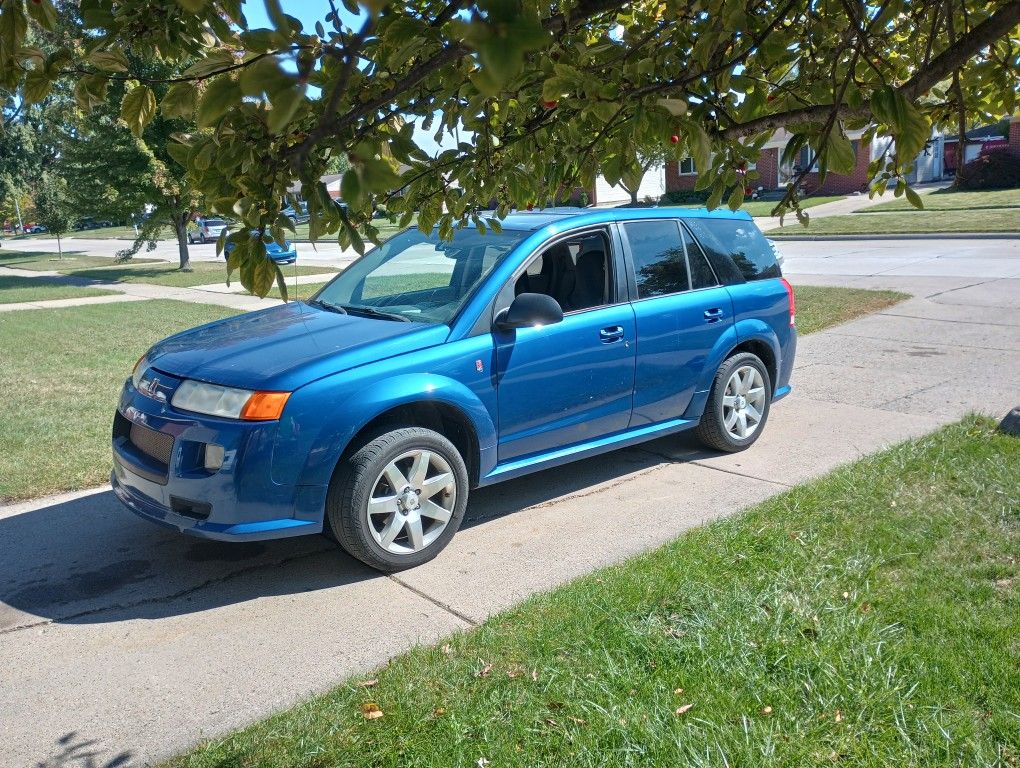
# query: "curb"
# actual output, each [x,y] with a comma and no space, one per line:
[905,236]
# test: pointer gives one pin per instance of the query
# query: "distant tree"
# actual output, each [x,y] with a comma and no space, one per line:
[54,207]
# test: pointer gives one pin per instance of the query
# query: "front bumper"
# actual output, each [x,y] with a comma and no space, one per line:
[158,474]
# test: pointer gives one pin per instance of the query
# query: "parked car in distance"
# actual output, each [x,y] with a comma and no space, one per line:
[205,230]
[287,254]
[35,229]
[429,368]
[92,223]
[297,215]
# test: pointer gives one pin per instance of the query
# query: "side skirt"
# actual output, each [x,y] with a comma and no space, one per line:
[541,461]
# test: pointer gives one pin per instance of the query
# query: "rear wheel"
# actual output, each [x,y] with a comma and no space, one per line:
[738,404]
[398,500]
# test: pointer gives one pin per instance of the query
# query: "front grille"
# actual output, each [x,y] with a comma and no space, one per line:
[156,445]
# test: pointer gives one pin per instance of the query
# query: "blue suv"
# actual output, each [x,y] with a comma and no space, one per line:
[430,367]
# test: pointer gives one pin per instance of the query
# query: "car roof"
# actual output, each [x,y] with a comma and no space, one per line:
[534,220]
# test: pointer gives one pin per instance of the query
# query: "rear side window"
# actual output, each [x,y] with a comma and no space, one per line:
[736,248]
[658,252]
[702,275]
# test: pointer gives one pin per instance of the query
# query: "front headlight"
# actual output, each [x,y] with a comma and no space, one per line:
[139,370]
[229,402]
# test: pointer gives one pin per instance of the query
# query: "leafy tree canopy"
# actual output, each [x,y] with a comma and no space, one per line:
[551,94]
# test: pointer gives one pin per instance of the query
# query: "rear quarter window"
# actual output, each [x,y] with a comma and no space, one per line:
[736,248]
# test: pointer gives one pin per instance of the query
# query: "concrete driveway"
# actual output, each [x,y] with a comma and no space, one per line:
[120,641]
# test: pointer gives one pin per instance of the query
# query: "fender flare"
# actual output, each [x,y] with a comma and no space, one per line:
[374,399]
[749,329]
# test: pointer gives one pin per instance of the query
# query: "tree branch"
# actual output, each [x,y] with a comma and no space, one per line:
[942,66]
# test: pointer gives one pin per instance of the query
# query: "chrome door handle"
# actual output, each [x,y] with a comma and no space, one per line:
[611,334]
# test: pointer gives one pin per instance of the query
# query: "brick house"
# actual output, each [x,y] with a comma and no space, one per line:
[683,175]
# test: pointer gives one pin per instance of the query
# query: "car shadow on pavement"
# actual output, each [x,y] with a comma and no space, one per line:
[89,560]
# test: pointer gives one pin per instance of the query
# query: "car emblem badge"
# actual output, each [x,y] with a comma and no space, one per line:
[478,366]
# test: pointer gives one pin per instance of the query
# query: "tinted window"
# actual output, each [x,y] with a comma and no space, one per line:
[659,264]
[702,275]
[748,252]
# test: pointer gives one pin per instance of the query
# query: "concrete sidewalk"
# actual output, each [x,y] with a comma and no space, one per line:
[848,204]
[119,639]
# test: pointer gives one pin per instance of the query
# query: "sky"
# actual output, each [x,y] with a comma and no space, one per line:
[311,11]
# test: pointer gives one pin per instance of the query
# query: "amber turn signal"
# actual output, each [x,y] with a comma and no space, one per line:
[264,406]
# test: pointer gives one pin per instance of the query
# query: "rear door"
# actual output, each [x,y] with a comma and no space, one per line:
[680,311]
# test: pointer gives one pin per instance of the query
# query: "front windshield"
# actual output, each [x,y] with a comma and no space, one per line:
[418,277]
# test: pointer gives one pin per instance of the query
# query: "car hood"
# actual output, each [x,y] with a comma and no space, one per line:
[287,346]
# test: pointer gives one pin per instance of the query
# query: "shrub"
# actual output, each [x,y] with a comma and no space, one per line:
[996,170]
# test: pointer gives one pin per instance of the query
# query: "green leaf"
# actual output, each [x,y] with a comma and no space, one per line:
[179,152]
[109,61]
[281,282]
[138,108]
[736,198]
[350,187]
[909,127]
[37,86]
[193,6]
[839,153]
[220,95]
[286,104]
[914,198]
[180,100]
[43,13]
[214,62]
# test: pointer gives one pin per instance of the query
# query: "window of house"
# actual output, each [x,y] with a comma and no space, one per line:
[660,265]
[687,167]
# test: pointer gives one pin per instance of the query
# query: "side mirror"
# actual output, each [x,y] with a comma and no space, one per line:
[530,309]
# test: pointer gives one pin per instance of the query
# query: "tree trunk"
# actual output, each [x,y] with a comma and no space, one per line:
[181,228]
[633,196]
[60,251]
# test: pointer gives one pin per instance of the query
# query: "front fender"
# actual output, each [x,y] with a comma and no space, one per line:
[744,330]
[360,403]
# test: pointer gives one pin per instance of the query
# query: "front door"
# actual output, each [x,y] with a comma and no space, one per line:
[570,382]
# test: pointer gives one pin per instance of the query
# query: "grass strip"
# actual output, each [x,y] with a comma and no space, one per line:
[867,222]
[17,290]
[869,618]
[61,371]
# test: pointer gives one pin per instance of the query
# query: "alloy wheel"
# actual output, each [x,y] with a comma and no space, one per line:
[412,501]
[743,402]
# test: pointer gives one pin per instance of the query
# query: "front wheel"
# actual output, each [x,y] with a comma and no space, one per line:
[738,404]
[398,500]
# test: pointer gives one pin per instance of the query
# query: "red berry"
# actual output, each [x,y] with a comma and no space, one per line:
[770,97]
[531,206]
[674,139]
[550,104]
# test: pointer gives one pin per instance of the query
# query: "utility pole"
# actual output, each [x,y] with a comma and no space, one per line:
[17,208]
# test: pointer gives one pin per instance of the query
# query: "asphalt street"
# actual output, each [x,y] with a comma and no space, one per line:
[119,640]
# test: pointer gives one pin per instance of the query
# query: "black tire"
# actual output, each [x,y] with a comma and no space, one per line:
[711,430]
[353,483]
[201,238]
[191,239]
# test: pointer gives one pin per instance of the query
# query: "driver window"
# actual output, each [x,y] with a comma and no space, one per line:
[575,272]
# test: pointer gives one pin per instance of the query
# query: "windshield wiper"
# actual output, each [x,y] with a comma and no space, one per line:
[372,312]
[329,307]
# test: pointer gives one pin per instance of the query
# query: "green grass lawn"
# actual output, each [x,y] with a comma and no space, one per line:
[379,285]
[385,227]
[869,618]
[40,261]
[297,292]
[14,290]
[166,273]
[61,371]
[952,200]
[764,207]
[908,222]
[820,307]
